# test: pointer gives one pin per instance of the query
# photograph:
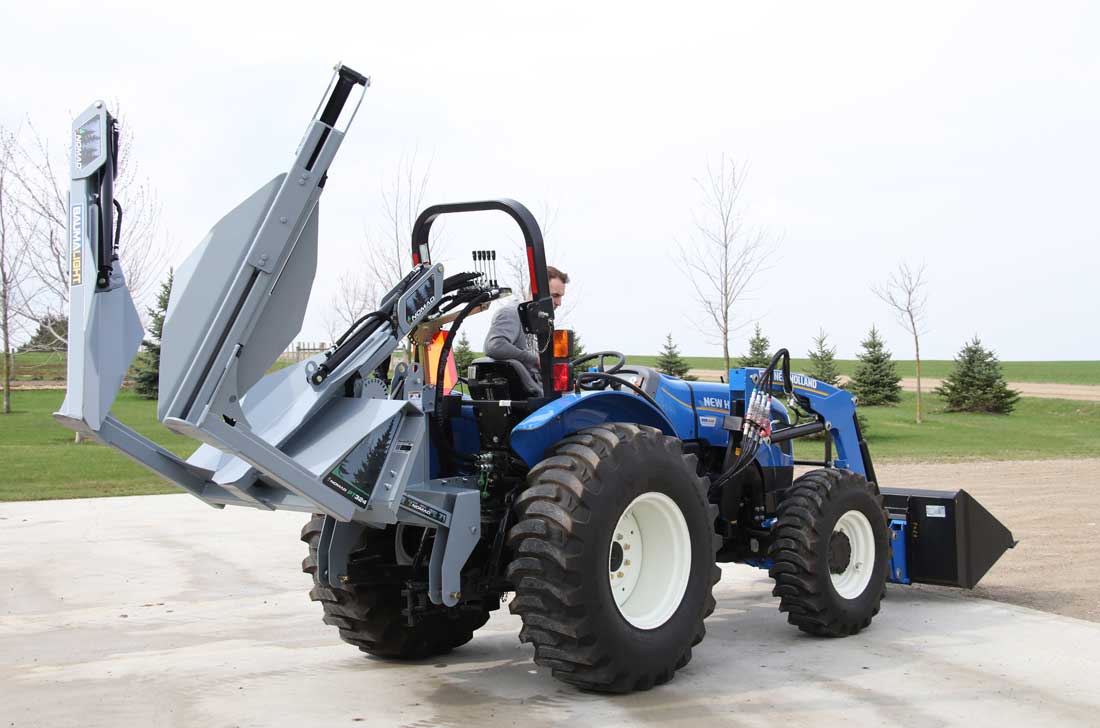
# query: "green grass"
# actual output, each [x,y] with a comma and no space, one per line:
[38,365]
[1039,429]
[1060,372]
[40,461]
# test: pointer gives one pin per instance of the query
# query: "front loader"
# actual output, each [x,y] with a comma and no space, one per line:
[602,500]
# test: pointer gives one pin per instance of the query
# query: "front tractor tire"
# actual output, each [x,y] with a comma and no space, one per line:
[370,617]
[613,558]
[831,553]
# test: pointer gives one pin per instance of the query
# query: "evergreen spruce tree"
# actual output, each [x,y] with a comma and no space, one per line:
[876,380]
[464,355]
[670,362]
[760,354]
[147,367]
[822,364]
[976,384]
[50,336]
[578,352]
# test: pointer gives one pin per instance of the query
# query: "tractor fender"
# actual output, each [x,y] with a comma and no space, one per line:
[570,413]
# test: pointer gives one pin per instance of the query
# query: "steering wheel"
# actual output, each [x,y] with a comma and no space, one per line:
[601,379]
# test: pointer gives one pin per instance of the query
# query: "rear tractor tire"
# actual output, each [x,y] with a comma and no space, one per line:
[613,558]
[370,617]
[831,553]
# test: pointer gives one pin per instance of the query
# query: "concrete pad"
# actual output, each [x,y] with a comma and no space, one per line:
[159,610]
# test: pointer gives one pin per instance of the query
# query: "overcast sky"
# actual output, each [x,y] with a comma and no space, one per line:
[961,135]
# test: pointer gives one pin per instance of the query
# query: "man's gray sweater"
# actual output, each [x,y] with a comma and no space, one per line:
[506,340]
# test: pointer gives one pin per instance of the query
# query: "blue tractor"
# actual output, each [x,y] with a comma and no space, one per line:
[603,500]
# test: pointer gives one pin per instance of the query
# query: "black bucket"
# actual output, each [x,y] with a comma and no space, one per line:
[950,539]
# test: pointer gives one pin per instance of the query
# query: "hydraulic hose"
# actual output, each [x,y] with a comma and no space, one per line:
[347,345]
[447,450]
[756,425]
[118,228]
[358,322]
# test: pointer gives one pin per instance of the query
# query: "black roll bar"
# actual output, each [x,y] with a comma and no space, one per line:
[538,314]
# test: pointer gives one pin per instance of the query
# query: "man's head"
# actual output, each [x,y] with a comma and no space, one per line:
[557,284]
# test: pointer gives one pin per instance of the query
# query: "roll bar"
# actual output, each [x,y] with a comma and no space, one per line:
[537,314]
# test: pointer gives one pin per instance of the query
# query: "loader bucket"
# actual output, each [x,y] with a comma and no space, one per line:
[949,538]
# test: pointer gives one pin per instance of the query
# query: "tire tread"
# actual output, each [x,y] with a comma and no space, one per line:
[372,620]
[797,543]
[548,561]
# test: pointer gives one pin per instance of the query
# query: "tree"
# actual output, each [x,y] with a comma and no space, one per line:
[43,182]
[723,257]
[352,298]
[876,380]
[578,352]
[670,362]
[51,335]
[147,366]
[13,263]
[822,364]
[464,355]
[387,252]
[759,350]
[905,292]
[515,261]
[390,251]
[976,384]
[823,368]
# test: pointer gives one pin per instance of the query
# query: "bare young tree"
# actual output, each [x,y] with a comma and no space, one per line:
[13,260]
[515,261]
[723,256]
[906,293]
[42,176]
[353,297]
[386,256]
[389,254]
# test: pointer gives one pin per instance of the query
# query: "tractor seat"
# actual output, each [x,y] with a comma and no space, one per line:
[501,379]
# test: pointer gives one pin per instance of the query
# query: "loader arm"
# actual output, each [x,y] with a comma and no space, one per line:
[943,537]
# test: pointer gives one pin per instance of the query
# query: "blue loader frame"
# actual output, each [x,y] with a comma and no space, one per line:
[685,410]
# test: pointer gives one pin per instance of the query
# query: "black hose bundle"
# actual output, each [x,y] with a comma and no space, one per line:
[440,434]
[348,342]
[756,426]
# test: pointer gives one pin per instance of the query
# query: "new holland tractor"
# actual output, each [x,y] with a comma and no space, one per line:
[602,501]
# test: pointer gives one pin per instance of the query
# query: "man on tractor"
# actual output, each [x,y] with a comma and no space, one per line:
[506,339]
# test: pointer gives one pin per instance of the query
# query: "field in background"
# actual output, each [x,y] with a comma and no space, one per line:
[38,459]
[1039,429]
[35,365]
[51,367]
[1059,372]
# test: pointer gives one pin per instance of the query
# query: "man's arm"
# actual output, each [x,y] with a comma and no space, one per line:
[504,330]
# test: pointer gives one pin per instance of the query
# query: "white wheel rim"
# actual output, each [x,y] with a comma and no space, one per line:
[649,560]
[853,580]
